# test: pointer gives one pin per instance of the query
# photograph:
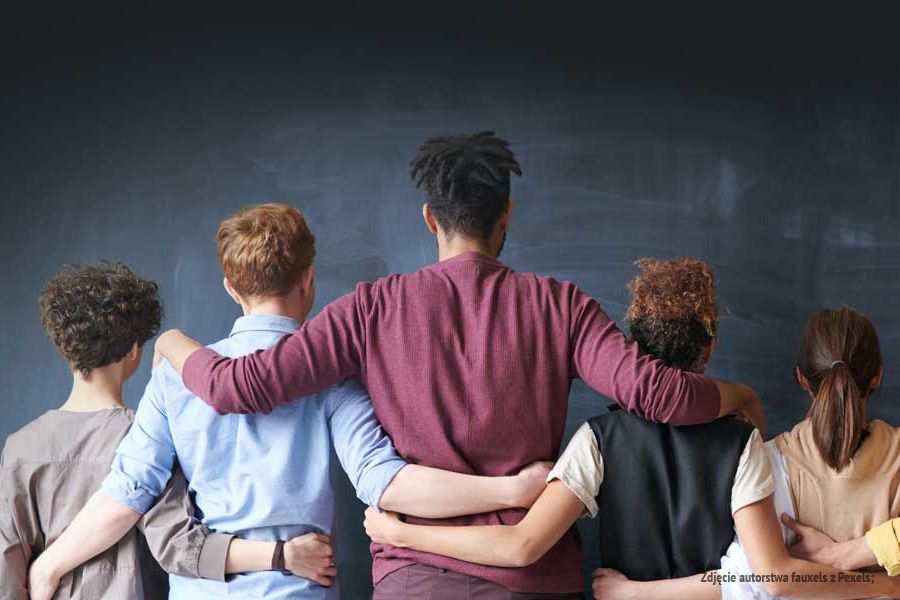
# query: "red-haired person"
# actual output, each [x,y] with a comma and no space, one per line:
[669,498]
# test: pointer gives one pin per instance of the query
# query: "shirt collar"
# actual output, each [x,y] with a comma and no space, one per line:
[264,323]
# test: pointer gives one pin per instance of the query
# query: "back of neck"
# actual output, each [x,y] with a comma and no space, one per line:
[458,244]
[100,390]
[275,307]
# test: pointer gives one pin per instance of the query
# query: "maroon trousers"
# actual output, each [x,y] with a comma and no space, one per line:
[421,582]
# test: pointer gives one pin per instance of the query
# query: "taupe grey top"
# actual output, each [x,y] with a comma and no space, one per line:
[49,470]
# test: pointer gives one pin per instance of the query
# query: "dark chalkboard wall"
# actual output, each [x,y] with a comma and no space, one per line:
[768,145]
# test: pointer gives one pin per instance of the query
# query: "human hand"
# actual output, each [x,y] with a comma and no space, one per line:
[383,527]
[609,584]
[311,556]
[530,483]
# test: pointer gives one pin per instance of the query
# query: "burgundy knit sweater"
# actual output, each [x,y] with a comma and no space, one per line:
[469,365]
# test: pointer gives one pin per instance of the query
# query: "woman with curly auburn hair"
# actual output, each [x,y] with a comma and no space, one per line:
[99,318]
[668,498]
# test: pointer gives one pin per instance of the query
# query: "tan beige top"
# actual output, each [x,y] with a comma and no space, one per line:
[49,470]
[847,504]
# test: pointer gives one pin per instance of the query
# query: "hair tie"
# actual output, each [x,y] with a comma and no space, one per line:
[837,362]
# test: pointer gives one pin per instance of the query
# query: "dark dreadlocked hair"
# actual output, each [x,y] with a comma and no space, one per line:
[466,179]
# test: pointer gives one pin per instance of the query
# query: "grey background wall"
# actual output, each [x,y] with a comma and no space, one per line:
[769,145]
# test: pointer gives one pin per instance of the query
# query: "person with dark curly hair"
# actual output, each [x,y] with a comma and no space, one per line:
[450,355]
[99,317]
[668,498]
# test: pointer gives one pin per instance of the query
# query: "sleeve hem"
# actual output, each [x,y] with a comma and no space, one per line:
[138,500]
[213,556]
[590,504]
[390,470]
[752,497]
[882,540]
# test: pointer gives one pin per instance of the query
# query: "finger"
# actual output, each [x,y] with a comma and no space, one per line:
[322,580]
[330,571]
[601,572]
[321,537]
[327,551]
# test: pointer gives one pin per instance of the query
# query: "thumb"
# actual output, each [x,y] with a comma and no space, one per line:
[793,525]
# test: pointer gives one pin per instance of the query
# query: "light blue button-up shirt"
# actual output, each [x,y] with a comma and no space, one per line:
[259,477]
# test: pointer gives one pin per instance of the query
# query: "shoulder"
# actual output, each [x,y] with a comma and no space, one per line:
[23,441]
[793,441]
[880,428]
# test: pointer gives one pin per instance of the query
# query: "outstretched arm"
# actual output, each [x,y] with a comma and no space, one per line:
[614,366]
[554,513]
[327,349]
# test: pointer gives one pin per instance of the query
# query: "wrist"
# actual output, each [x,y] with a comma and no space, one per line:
[514,491]
[48,567]
[398,534]
[633,590]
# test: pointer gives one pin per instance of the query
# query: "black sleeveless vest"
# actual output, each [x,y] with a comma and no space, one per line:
[665,502]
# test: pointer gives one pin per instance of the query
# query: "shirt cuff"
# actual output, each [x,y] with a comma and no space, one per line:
[213,556]
[127,493]
[883,542]
[381,477]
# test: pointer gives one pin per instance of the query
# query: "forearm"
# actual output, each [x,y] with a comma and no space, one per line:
[247,556]
[518,545]
[491,545]
[851,555]
[98,526]
[433,493]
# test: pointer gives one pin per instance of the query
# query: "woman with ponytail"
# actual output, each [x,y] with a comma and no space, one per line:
[833,471]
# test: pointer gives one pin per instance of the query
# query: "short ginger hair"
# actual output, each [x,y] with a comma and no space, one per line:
[264,249]
[94,315]
[673,312]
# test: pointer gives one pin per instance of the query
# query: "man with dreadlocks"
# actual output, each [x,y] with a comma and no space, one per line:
[468,364]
